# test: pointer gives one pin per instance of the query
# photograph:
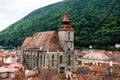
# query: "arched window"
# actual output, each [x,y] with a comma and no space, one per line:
[41,60]
[61,59]
[69,60]
[52,60]
[44,60]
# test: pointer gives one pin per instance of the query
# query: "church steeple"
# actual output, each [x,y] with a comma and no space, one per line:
[66,23]
[66,40]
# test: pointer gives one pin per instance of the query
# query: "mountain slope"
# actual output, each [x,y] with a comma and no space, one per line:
[96,22]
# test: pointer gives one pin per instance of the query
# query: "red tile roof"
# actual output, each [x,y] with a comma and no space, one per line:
[47,40]
[1,54]
[8,79]
[82,70]
[36,78]
[98,69]
[63,75]
[26,42]
[43,74]
[19,75]
[3,64]
[10,68]
[96,56]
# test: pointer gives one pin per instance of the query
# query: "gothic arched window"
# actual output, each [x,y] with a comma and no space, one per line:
[69,60]
[52,60]
[61,59]
[44,60]
[41,60]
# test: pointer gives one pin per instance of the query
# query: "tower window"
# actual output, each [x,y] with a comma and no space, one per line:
[61,59]
[68,49]
[68,36]
[69,60]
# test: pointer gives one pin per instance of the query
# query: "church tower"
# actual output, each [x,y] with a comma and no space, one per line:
[66,40]
[66,34]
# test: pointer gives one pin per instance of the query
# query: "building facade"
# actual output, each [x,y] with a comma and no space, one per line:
[51,49]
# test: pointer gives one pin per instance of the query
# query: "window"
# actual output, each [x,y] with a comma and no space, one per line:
[41,60]
[60,59]
[68,36]
[68,49]
[44,60]
[69,60]
[52,60]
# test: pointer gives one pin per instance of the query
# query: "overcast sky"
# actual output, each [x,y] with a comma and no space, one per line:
[13,10]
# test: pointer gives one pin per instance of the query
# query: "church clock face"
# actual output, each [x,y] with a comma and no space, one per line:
[69,44]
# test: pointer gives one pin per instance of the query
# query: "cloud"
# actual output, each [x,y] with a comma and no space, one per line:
[13,10]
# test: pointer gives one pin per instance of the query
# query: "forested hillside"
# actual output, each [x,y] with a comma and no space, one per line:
[96,23]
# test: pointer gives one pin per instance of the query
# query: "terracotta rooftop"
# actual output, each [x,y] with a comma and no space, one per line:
[43,74]
[10,68]
[63,76]
[1,54]
[36,78]
[96,56]
[113,55]
[98,69]
[46,41]
[8,79]
[19,75]
[26,42]
[82,70]
[3,64]
[78,53]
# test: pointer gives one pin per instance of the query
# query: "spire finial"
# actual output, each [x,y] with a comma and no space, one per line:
[65,19]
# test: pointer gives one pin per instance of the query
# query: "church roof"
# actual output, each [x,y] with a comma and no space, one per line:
[26,42]
[46,41]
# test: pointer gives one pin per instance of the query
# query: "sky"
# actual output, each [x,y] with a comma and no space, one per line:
[13,10]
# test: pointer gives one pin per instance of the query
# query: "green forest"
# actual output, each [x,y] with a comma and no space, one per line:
[96,23]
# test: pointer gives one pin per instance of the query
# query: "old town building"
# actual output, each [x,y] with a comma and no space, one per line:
[51,49]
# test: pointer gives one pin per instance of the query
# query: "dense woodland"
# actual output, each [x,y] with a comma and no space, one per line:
[96,23]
